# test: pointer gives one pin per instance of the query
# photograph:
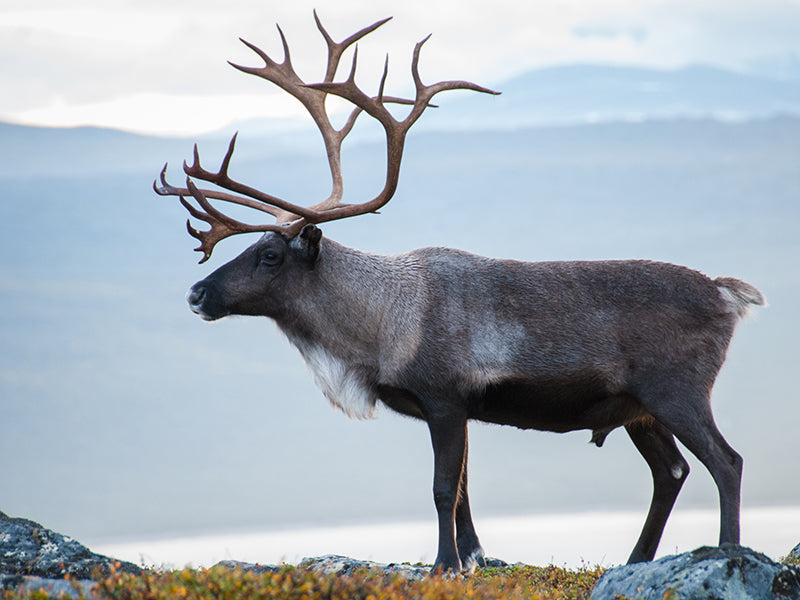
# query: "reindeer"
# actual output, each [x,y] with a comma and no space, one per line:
[447,337]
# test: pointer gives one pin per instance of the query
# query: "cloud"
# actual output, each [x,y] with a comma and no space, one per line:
[165,114]
[94,56]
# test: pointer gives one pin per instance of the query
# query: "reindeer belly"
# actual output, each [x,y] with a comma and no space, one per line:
[580,403]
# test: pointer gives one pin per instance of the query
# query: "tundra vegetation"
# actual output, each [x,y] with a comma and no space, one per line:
[291,583]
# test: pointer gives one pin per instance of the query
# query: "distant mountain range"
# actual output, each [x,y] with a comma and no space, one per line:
[566,95]
[576,94]
[592,93]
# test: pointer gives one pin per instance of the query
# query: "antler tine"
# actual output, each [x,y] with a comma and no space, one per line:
[425,93]
[382,85]
[336,49]
[415,61]
[281,74]
[268,61]
[167,189]
[287,56]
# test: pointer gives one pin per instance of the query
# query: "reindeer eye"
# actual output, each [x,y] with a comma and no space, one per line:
[270,258]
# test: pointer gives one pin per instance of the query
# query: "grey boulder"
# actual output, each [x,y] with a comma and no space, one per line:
[710,573]
[35,558]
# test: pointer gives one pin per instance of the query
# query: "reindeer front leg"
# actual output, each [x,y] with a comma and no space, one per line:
[449,439]
[469,546]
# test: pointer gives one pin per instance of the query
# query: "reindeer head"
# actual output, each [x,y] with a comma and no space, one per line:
[292,219]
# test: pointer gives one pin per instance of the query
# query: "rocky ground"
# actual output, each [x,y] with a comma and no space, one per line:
[35,558]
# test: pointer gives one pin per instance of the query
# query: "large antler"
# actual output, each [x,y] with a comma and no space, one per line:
[290,218]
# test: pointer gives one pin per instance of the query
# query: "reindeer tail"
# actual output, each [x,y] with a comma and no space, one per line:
[738,295]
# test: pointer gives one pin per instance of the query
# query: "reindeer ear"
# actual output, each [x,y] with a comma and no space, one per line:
[308,242]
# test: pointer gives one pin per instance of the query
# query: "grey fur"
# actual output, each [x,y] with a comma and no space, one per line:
[447,336]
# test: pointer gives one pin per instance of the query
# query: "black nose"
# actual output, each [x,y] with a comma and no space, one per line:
[195,296]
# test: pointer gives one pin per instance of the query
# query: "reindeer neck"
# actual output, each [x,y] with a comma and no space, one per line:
[354,301]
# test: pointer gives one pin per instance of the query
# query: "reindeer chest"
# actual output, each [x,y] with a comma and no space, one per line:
[346,386]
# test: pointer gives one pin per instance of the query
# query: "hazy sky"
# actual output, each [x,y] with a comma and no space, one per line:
[161,66]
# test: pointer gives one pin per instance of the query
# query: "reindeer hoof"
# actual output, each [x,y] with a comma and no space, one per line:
[476,559]
[443,567]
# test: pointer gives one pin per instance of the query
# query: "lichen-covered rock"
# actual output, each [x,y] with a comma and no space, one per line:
[257,568]
[54,588]
[342,565]
[27,548]
[730,572]
[334,564]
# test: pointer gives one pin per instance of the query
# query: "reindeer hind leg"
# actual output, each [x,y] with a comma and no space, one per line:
[669,469]
[688,416]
